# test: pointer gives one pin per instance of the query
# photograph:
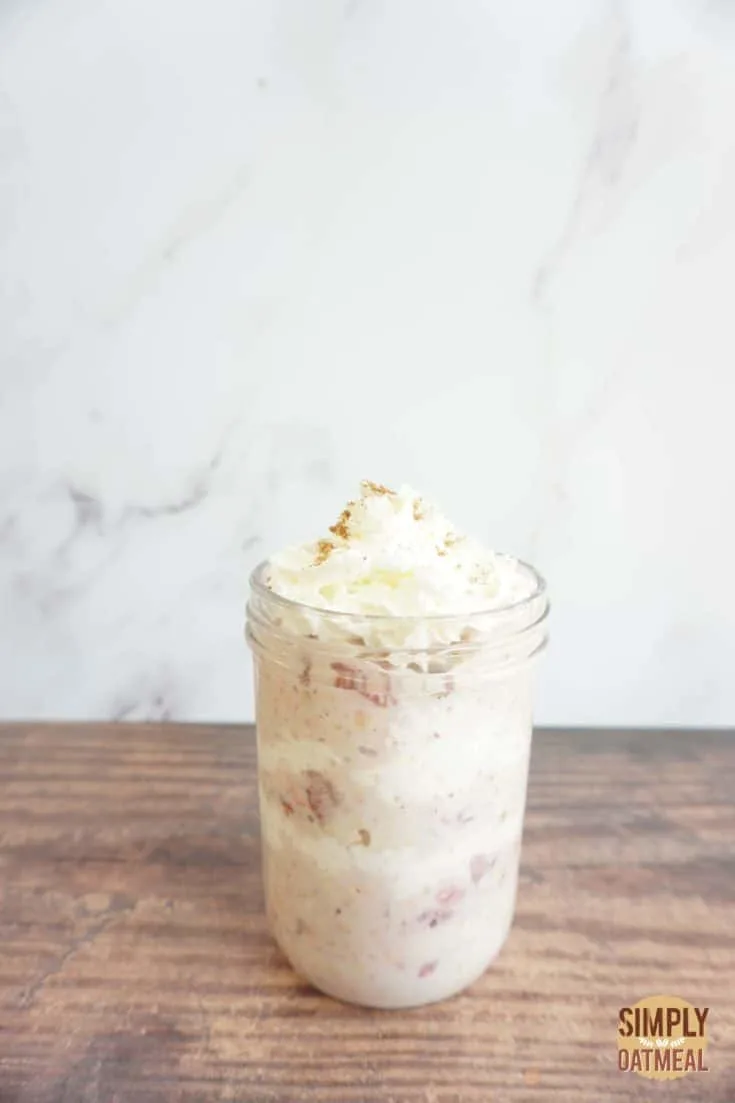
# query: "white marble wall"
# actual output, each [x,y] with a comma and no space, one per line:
[253,251]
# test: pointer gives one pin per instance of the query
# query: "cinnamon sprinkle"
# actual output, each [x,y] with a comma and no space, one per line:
[324,550]
[376,488]
[418,513]
[341,526]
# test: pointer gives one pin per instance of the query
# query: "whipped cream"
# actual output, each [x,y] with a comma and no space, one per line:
[392,553]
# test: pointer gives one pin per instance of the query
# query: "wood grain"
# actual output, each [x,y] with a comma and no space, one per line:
[135,964]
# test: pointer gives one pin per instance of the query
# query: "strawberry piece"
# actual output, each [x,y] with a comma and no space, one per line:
[449,896]
[480,864]
[350,677]
[321,796]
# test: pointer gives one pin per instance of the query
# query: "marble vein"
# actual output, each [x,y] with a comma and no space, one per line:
[194,223]
[614,135]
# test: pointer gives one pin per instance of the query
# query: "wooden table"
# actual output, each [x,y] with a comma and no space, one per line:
[135,963]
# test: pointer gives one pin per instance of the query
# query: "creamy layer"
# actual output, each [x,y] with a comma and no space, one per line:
[391,828]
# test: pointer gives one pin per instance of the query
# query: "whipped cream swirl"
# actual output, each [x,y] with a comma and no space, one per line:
[391,553]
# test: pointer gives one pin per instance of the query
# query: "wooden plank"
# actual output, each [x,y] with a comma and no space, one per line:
[135,963]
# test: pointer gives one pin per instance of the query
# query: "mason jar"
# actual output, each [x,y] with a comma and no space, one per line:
[392,765]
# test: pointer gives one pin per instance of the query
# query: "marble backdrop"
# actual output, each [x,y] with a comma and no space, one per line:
[254,251]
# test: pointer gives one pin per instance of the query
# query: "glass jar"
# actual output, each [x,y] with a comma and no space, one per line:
[392,764]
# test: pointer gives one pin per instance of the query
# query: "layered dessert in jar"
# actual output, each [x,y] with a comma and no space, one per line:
[394,673]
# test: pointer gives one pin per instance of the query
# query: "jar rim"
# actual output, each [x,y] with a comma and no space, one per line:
[259,587]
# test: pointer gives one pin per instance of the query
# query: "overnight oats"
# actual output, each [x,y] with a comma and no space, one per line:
[394,674]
